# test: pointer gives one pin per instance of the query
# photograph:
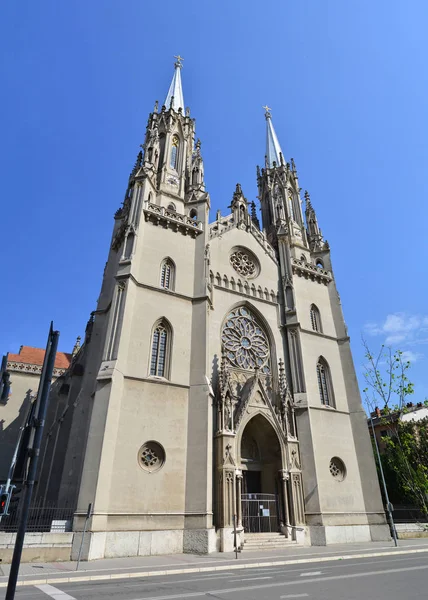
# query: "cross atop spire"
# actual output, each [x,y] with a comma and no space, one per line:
[175,92]
[273,149]
[179,61]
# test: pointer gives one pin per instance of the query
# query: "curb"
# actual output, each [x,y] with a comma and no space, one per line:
[276,563]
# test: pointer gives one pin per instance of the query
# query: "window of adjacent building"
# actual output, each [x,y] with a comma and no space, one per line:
[315,318]
[173,163]
[167,274]
[160,350]
[324,383]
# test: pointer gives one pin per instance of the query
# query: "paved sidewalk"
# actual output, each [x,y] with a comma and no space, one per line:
[162,565]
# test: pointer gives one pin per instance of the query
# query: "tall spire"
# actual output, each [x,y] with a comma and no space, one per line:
[175,91]
[273,149]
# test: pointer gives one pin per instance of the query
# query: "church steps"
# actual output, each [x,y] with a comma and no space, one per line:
[265,541]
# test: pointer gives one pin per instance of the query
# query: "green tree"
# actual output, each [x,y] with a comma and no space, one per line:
[405,457]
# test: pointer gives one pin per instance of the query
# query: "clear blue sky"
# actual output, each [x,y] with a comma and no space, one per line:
[347,82]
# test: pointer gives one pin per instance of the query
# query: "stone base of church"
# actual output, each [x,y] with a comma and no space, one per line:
[324,535]
[116,544]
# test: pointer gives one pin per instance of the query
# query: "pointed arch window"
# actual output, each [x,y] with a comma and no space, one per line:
[315,319]
[173,163]
[167,274]
[324,383]
[160,351]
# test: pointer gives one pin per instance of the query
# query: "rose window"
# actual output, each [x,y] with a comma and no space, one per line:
[151,456]
[244,263]
[244,342]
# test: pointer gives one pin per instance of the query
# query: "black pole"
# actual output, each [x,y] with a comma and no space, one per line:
[385,489]
[34,450]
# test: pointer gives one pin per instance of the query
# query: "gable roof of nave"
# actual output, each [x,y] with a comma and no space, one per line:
[226,224]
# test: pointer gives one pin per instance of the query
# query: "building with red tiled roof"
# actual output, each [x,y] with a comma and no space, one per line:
[24,370]
[34,356]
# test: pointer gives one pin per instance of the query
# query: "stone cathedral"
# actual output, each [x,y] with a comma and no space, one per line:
[215,385]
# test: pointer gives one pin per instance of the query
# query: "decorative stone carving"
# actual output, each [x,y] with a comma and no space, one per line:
[151,457]
[245,263]
[228,458]
[337,468]
[245,343]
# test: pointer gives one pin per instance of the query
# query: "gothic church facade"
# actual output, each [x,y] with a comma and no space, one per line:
[216,381]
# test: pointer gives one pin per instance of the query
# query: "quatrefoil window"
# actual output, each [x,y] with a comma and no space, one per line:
[245,263]
[244,342]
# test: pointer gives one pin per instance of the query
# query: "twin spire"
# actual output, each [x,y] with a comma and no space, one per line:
[175,95]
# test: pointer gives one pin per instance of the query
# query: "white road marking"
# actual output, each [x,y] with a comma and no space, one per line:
[310,574]
[221,574]
[247,588]
[54,592]
[250,579]
[295,596]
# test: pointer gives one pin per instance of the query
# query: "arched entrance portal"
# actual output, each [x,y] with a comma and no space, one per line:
[261,490]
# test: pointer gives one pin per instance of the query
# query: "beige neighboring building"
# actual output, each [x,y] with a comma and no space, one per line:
[216,376]
[24,370]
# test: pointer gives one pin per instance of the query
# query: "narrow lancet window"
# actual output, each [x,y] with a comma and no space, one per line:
[316,319]
[167,274]
[158,363]
[173,163]
[324,383]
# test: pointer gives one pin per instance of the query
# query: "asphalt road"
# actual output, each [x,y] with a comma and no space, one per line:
[378,578]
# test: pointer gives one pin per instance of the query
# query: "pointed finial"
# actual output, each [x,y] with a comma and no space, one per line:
[254,217]
[155,110]
[76,346]
[180,59]
[308,199]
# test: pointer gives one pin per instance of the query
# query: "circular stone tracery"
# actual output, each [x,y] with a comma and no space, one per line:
[337,468]
[244,342]
[151,456]
[244,263]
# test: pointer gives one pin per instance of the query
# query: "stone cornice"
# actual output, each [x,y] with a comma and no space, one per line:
[159,215]
[157,381]
[310,271]
[154,288]
[319,334]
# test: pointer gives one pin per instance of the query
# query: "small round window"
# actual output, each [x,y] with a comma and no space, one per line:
[337,468]
[151,456]
[245,263]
